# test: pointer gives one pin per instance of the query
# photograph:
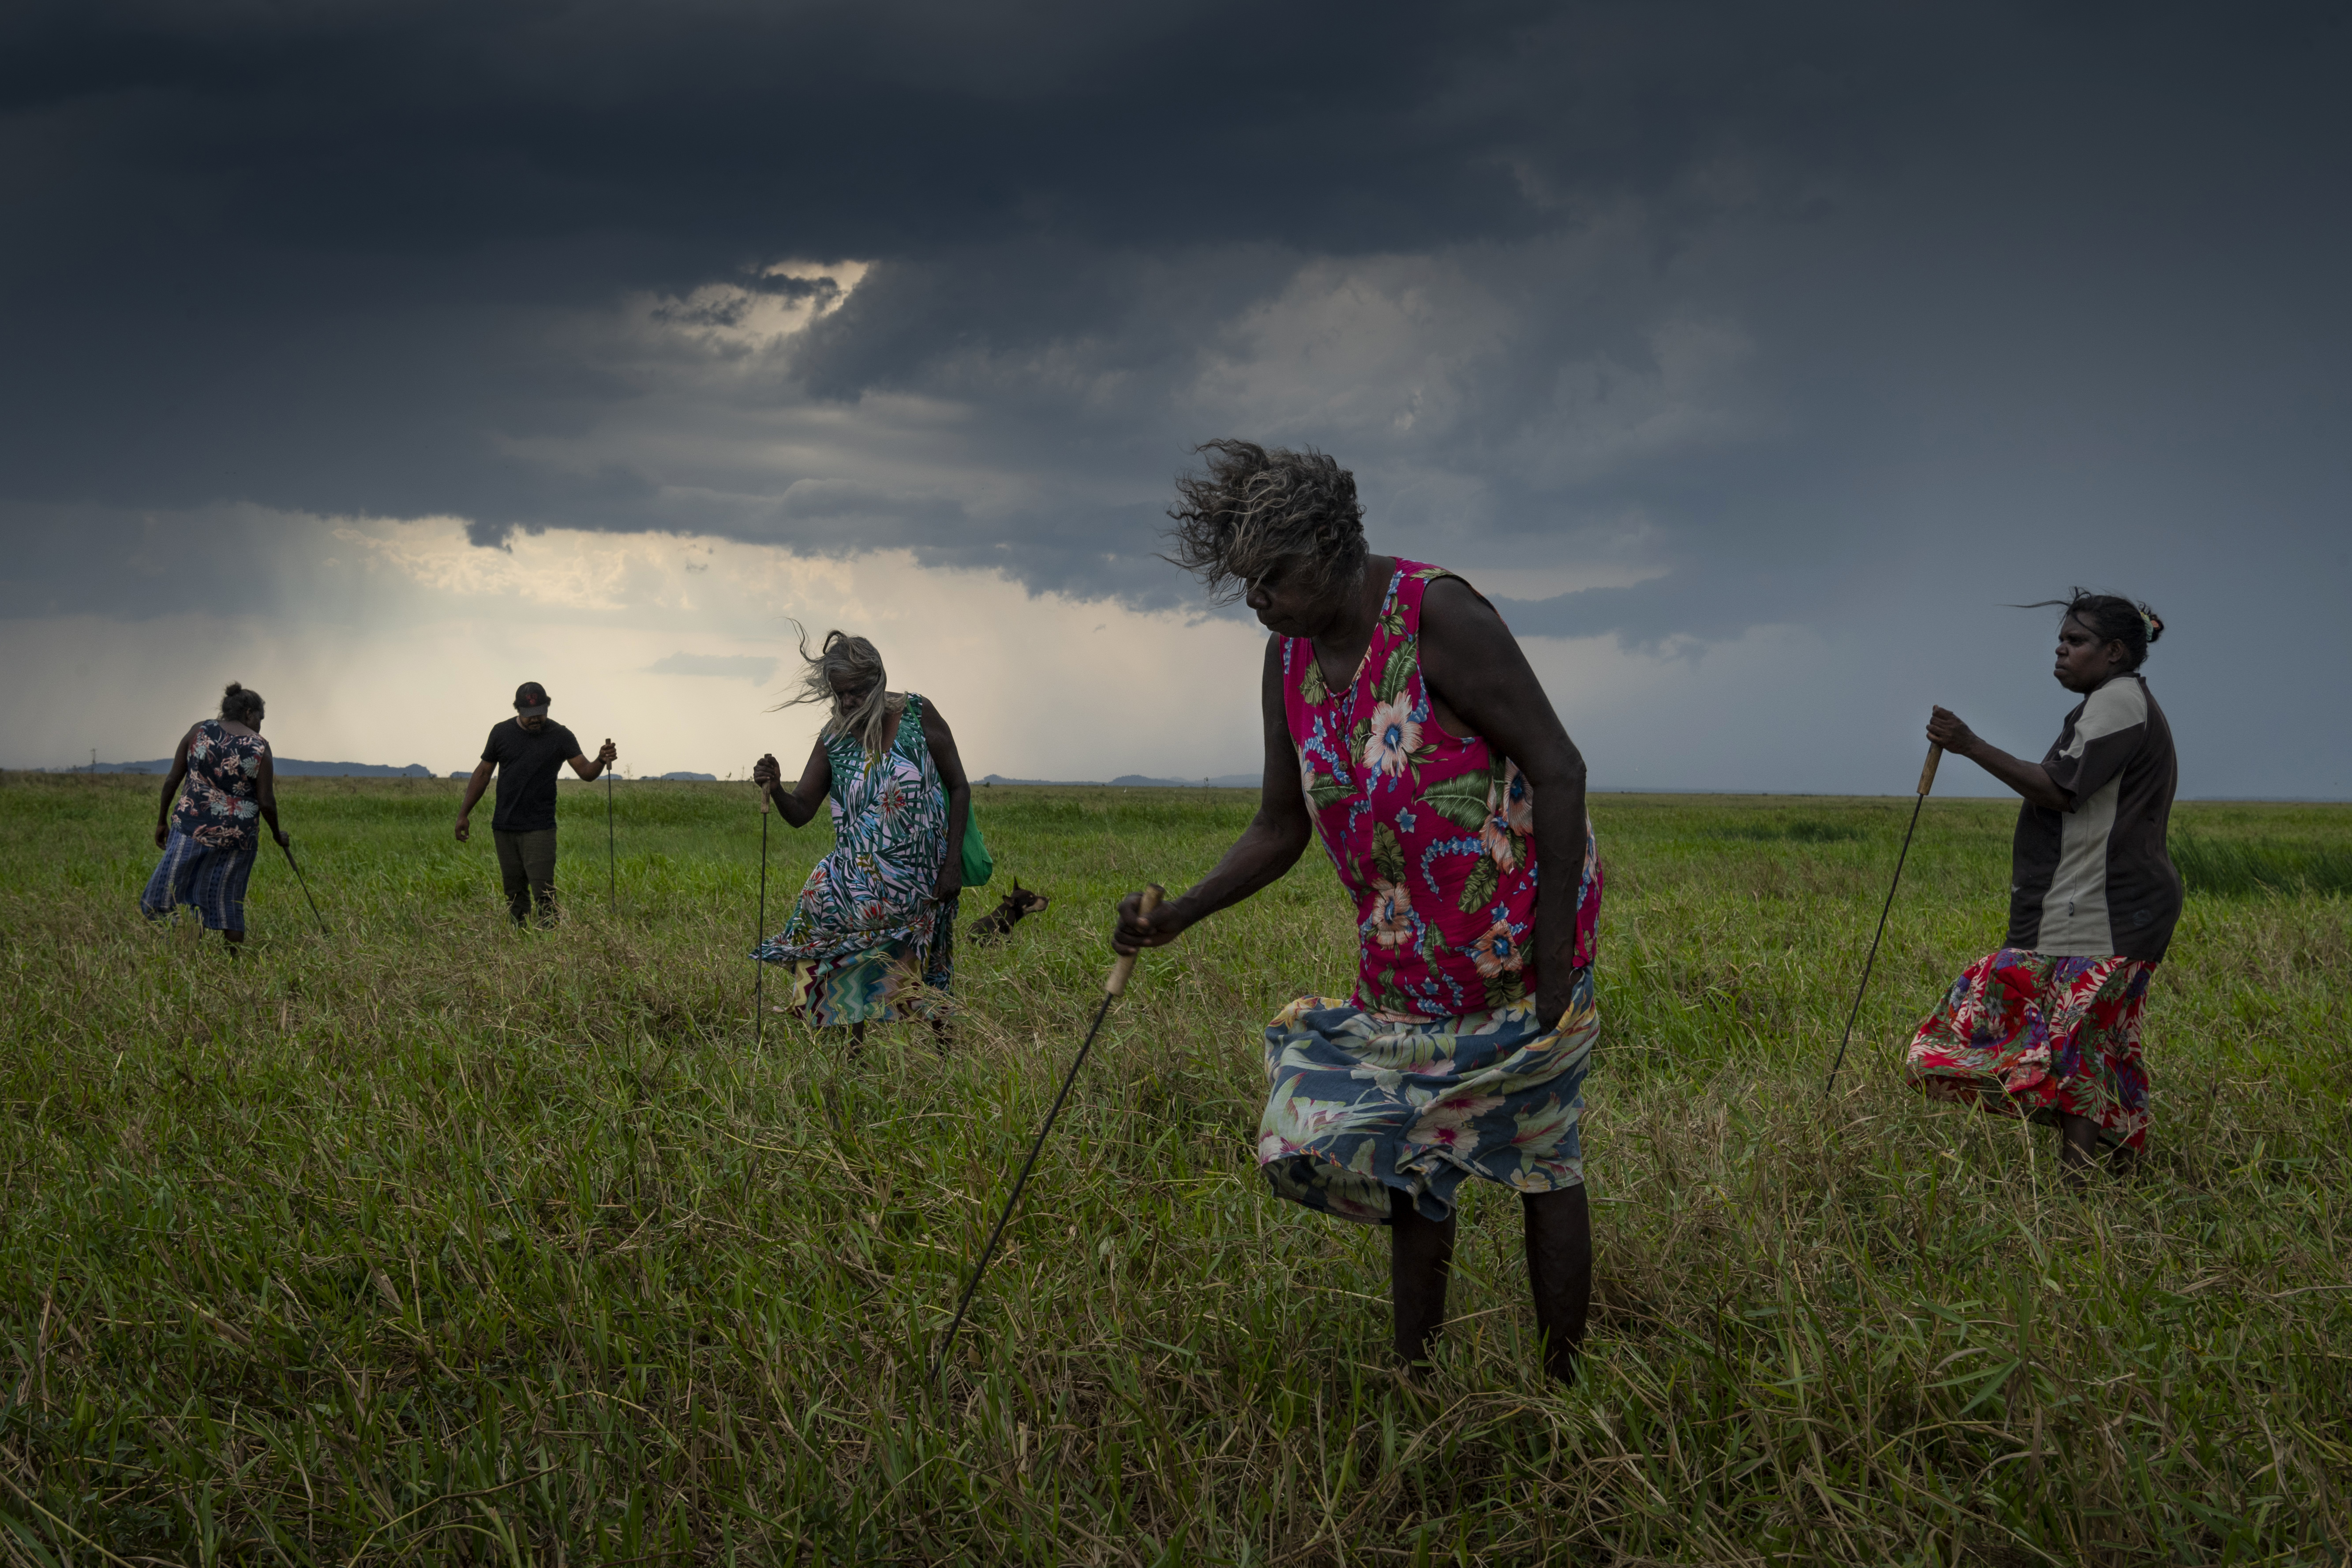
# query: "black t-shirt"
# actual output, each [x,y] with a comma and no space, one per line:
[528,764]
[2094,881]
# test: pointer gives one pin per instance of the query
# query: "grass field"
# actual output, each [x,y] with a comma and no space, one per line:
[436,1241]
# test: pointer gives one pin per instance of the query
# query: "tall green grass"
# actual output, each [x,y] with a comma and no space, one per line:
[2236,868]
[436,1241]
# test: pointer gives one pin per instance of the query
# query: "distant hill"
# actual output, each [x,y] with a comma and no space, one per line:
[567,778]
[1221,780]
[288,767]
[294,767]
[1142,781]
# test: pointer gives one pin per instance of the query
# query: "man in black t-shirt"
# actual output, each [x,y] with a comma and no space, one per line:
[528,753]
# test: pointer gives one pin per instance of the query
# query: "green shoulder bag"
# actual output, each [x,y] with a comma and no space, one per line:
[979,865]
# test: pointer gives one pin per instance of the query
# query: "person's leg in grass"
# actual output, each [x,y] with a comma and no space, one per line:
[2080,1150]
[511,875]
[539,869]
[2078,1147]
[219,893]
[939,969]
[1421,1260]
[1560,1273]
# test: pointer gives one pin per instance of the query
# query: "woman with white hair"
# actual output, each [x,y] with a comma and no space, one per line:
[872,937]
[1405,729]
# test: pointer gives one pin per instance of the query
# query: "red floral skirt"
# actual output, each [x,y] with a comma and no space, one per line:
[2025,1033]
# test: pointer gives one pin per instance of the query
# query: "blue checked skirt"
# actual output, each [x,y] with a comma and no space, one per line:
[208,879]
[1362,1105]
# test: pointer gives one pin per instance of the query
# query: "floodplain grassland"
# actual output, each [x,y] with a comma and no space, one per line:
[436,1241]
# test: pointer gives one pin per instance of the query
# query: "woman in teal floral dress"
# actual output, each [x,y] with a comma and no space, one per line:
[871,936]
[1404,728]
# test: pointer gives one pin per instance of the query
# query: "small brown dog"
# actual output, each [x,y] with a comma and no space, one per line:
[1015,907]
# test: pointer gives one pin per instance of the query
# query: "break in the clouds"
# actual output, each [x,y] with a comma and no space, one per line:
[1691,328]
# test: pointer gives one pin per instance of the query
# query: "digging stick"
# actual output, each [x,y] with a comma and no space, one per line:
[1927,783]
[1119,971]
[611,876]
[759,983]
[289,847]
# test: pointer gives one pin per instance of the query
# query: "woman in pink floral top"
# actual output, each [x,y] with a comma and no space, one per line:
[1404,730]
[220,790]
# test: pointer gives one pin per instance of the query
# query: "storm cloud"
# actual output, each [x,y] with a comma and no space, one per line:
[1667,322]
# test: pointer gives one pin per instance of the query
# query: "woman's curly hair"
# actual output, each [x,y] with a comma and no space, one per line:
[1254,506]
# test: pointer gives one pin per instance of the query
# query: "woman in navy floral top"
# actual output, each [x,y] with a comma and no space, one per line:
[209,830]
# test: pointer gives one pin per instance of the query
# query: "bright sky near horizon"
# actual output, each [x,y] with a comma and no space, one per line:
[1756,359]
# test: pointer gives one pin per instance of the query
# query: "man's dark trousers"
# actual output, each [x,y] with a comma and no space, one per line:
[527,861]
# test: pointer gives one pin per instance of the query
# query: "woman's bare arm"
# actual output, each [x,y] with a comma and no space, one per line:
[171,781]
[265,791]
[944,757]
[1475,666]
[2031,780]
[816,780]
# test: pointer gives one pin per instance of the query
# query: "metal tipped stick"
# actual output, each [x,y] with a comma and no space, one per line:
[760,984]
[289,847]
[1927,783]
[1119,971]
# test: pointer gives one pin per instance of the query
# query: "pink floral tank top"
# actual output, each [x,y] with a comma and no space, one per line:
[1433,835]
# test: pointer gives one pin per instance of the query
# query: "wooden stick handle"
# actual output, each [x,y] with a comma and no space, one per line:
[1152,893]
[1927,773]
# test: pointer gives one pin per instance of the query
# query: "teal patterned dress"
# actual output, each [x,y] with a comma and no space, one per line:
[868,941]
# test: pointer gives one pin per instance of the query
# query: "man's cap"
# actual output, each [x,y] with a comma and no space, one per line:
[531,700]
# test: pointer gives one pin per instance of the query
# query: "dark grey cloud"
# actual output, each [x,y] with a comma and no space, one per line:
[1787,310]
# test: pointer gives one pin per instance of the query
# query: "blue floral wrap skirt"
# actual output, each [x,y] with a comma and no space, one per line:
[209,878]
[1363,1104]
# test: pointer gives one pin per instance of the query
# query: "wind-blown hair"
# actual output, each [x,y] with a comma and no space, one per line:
[240,706]
[2110,618]
[874,719]
[1255,507]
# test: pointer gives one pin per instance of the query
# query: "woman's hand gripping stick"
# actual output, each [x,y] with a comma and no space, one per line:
[1119,971]
[760,984]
